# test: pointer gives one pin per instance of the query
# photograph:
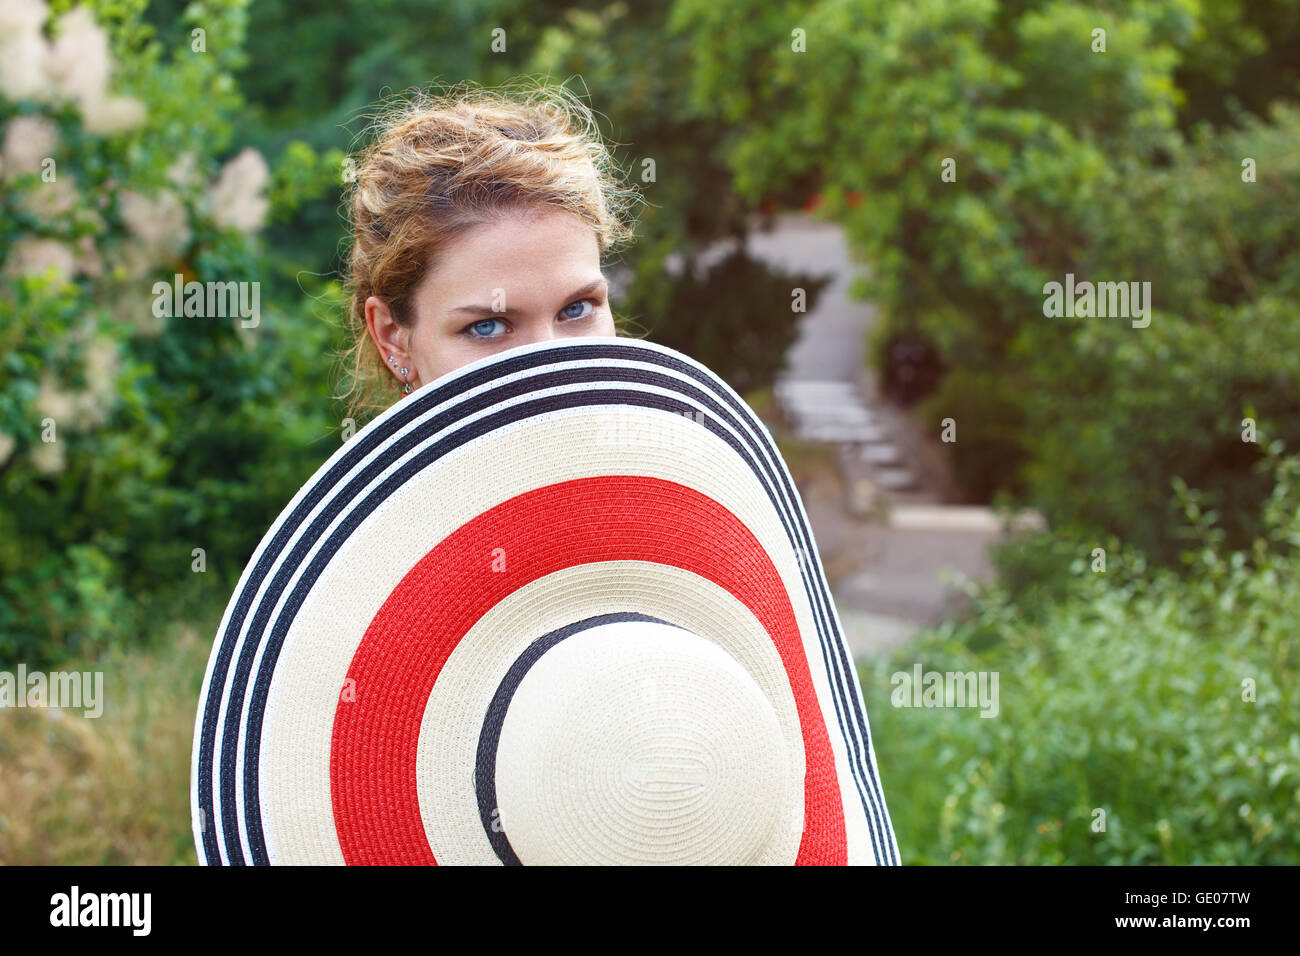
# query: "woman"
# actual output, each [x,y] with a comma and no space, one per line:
[522,680]
[479,220]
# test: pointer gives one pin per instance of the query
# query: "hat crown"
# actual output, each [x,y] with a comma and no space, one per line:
[640,742]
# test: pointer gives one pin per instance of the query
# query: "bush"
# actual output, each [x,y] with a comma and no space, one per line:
[1169,704]
[132,437]
[735,317]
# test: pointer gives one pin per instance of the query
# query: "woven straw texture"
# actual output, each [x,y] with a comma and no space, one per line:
[560,606]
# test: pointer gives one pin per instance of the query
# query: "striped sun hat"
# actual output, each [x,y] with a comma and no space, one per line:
[561,605]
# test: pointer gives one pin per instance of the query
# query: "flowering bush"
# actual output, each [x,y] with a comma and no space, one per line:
[132,436]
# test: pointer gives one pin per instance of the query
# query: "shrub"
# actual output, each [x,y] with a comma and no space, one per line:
[1169,704]
[131,437]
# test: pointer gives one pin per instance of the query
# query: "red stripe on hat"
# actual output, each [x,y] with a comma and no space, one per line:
[607,518]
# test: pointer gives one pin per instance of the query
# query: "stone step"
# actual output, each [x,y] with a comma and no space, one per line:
[895,478]
[845,434]
[874,435]
[804,420]
[808,386]
[879,453]
[820,398]
[973,518]
[828,405]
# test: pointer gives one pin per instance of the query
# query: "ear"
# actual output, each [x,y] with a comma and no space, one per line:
[389,337]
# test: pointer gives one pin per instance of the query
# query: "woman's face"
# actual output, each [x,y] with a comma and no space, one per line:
[531,277]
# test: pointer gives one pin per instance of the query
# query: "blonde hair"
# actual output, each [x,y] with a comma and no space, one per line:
[439,163]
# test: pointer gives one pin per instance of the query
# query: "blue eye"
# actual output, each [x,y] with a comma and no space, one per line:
[483,329]
[566,313]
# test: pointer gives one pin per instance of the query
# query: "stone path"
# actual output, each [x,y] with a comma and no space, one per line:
[894,541]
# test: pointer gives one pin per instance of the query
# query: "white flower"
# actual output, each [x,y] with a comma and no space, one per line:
[23,50]
[112,114]
[50,200]
[79,63]
[159,221]
[237,201]
[53,402]
[102,363]
[160,227]
[91,409]
[87,407]
[35,257]
[184,172]
[29,140]
[48,458]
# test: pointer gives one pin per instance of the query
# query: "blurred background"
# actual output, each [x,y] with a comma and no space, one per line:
[853,207]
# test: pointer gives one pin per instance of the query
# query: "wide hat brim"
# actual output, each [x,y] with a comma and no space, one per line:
[598,523]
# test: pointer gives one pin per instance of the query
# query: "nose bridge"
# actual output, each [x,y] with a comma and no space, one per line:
[536,329]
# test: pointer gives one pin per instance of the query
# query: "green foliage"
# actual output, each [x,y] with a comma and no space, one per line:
[312,77]
[1066,160]
[132,438]
[1115,421]
[1250,48]
[1128,691]
[735,316]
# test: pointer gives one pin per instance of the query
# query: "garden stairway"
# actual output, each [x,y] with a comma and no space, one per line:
[894,544]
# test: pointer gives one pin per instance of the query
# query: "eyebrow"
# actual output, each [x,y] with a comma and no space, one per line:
[587,289]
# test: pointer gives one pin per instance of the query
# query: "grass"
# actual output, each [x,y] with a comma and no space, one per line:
[113,789]
[1122,703]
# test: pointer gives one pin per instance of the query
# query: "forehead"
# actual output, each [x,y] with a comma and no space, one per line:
[533,256]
